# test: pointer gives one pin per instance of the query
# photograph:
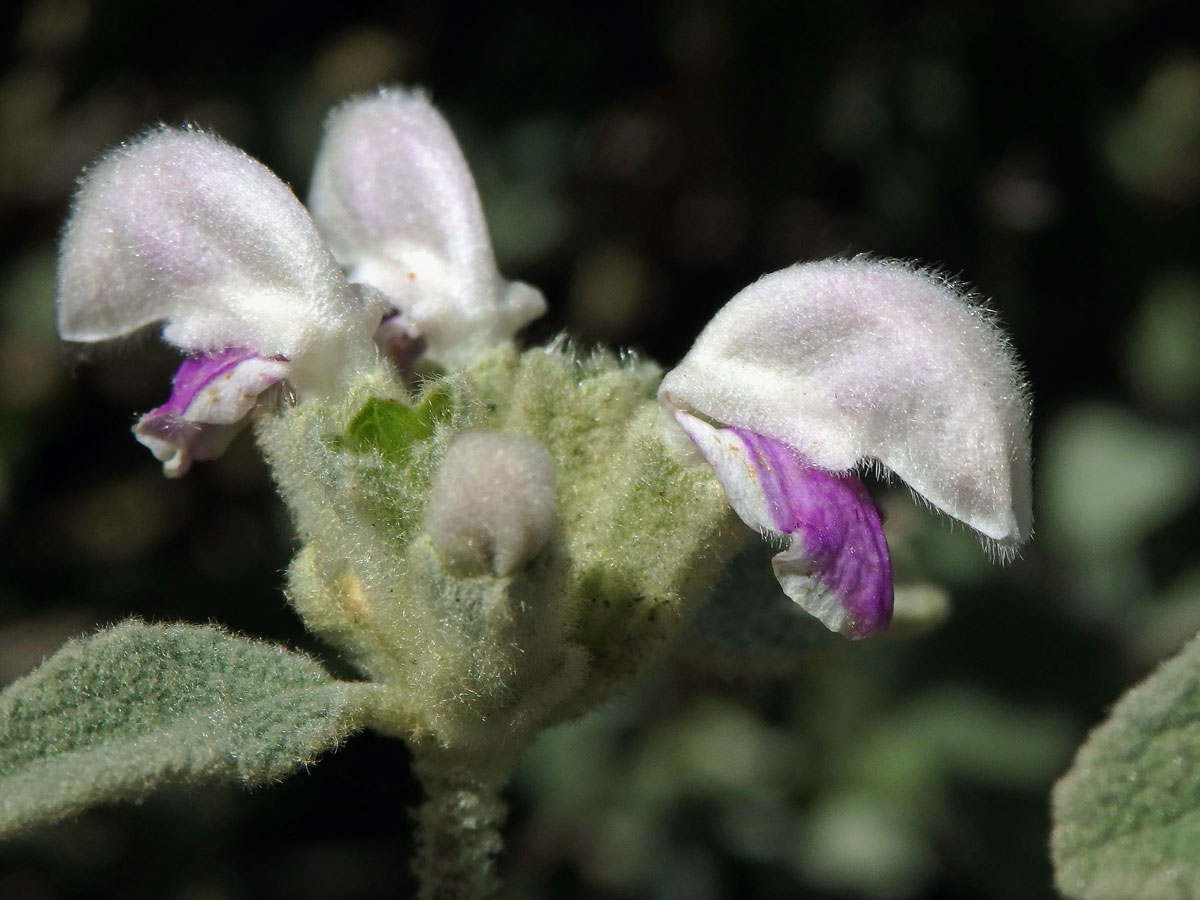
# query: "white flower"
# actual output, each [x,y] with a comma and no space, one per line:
[394,198]
[182,229]
[826,367]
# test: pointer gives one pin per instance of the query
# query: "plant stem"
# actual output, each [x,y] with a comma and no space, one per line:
[458,829]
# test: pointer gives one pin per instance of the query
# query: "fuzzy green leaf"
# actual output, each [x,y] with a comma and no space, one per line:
[1127,814]
[392,428]
[115,715]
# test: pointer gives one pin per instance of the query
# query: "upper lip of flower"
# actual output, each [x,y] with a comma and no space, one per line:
[181,228]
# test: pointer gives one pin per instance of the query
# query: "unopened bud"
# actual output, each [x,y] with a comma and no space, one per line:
[492,506]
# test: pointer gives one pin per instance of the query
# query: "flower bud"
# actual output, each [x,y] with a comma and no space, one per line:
[491,509]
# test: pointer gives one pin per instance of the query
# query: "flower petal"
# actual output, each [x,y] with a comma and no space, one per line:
[853,360]
[837,565]
[211,396]
[182,228]
[394,197]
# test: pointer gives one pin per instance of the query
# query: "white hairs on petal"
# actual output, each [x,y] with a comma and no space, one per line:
[395,199]
[182,228]
[862,361]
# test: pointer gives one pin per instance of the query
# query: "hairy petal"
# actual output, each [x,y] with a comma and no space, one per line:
[852,360]
[184,229]
[837,565]
[393,196]
[211,396]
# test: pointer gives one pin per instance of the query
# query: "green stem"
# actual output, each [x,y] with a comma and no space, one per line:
[458,829]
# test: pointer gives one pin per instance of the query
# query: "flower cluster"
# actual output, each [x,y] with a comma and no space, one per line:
[182,229]
[805,378]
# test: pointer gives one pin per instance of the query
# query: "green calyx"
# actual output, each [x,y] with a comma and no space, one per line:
[483,662]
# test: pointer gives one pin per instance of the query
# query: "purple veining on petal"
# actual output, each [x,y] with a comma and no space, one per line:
[838,536]
[211,396]
[196,373]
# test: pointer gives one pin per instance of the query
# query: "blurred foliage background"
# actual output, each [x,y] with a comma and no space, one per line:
[641,161]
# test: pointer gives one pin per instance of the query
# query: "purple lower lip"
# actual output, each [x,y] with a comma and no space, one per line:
[212,395]
[836,527]
[836,565]
[196,373]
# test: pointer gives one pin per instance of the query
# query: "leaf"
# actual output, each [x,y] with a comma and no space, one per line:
[1127,814]
[392,428]
[135,707]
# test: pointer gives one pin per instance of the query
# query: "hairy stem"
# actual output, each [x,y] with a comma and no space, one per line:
[458,829]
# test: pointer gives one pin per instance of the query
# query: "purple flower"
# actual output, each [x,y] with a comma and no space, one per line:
[817,370]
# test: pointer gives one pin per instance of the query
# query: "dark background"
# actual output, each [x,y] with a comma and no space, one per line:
[641,162]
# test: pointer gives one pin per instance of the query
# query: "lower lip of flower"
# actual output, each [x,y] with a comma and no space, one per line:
[211,396]
[837,565]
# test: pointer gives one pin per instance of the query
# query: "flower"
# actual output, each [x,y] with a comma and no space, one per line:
[822,368]
[182,229]
[394,198]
